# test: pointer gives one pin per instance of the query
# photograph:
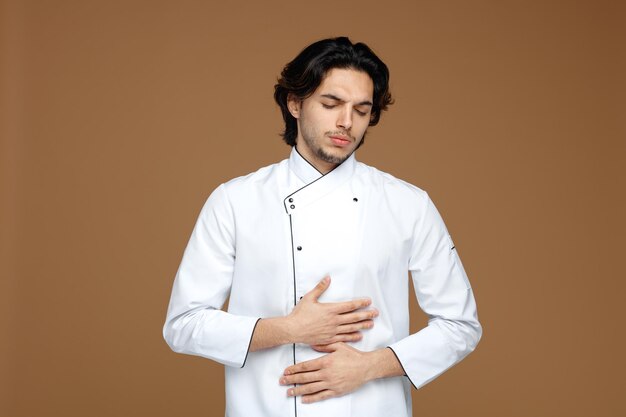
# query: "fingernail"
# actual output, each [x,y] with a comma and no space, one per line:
[283,381]
[290,392]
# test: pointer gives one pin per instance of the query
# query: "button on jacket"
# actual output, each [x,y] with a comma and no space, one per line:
[267,238]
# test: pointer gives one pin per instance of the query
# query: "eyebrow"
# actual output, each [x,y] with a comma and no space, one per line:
[334,97]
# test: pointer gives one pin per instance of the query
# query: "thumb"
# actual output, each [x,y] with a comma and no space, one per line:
[326,348]
[319,289]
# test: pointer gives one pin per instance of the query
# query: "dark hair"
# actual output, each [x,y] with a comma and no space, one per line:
[305,73]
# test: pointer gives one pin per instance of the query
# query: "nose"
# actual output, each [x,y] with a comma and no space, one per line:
[345,118]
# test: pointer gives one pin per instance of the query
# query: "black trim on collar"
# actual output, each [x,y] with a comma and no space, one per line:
[306,185]
[307,161]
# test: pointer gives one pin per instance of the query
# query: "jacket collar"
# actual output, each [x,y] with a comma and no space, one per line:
[317,184]
[305,171]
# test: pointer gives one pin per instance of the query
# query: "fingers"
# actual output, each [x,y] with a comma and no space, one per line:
[359,316]
[339,308]
[340,338]
[348,306]
[319,289]
[346,337]
[355,327]
[301,378]
[339,372]
[307,366]
[311,388]
[323,348]
[322,395]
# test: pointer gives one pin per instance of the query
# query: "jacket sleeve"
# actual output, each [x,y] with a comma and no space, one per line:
[195,323]
[445,295]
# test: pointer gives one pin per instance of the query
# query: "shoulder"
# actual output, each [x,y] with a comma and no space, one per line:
[252,190]
[243,185]
[252,182]
[389,185]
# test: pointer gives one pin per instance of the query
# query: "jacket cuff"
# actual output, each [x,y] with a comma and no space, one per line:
[424,355]
[401,365]
[250,343]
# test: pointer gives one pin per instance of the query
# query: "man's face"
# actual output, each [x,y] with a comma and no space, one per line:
[333,120]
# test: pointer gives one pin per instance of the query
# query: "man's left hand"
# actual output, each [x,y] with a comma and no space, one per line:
[343,370]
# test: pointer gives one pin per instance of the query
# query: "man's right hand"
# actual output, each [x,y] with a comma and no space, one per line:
[315,323]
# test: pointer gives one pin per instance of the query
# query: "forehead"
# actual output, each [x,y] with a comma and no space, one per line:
[348,84]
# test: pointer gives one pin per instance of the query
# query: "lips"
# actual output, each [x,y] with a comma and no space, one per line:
[340,140]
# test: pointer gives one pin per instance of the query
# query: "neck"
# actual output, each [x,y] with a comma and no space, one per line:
[322,166]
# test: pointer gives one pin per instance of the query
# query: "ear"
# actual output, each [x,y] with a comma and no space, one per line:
[294,105]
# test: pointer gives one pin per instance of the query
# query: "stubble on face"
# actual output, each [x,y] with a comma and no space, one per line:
[334,119]
[313,139]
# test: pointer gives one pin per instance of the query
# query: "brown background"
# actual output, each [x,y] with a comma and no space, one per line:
[120,117]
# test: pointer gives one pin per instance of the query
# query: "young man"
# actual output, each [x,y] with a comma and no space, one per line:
[314,252]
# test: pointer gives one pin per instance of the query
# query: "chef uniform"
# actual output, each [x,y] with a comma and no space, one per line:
[268,238]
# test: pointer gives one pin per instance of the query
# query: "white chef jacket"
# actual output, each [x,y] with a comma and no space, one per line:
[267,238]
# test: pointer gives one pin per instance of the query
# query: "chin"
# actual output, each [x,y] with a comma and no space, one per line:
[335,158]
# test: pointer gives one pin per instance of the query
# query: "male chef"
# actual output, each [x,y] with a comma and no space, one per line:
[314,253]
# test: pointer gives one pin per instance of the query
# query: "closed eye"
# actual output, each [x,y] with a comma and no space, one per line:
[332,106]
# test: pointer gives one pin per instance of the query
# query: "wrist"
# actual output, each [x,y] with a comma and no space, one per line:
[289,329]
[382,363]
[271,332]
[372,361]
